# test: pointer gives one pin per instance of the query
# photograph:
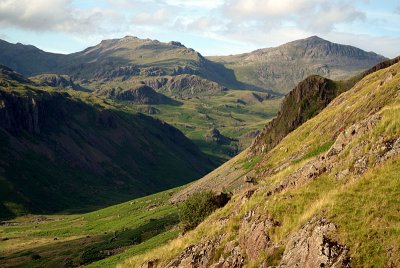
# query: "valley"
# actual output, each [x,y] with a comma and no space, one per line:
[101,149]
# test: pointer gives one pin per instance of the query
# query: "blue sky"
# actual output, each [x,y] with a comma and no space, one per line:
[212,27]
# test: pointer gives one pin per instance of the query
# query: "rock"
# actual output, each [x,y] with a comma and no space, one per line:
[137,93]
[185,85]
[57,81]
[196,255]
[150,264]
[213,135]
[250,180]
[311,246]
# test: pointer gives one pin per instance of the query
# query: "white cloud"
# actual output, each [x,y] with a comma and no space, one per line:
[159,17]
[210,4]
[55,15]
[266,8]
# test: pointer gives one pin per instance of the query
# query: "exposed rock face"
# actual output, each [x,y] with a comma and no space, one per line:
[306,100]
[140,94]
[311,246]
[25,113]
[197,255]
[185,86]
[57,81]
[255,239]
[213,135]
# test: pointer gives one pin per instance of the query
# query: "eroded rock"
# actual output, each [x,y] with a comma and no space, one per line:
[312,246]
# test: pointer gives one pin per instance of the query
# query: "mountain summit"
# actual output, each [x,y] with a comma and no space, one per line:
[281,68]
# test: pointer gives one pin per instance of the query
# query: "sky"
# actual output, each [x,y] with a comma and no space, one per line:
[212,27]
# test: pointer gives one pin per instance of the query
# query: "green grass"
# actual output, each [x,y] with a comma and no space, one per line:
[197,116]
[316,151]
[129,228]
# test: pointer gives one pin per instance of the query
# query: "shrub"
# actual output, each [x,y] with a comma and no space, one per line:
[198,206]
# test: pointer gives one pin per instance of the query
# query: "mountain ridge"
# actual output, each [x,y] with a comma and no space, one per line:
[132,57]
[281,68]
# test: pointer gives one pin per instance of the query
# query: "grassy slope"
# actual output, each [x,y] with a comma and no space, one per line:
[365,208]
[138,225]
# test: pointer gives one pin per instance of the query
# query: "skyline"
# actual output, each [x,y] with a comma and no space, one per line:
[218,27]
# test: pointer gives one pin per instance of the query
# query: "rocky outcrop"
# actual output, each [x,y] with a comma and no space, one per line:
[213,135]
[185,86]
[25,113]
[196,255]
[57,81]
[139,94]
[306,100]
[312,246]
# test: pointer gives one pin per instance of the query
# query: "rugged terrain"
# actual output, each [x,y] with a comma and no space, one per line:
[281,68]
[325,196]
[60,150]
[278,69]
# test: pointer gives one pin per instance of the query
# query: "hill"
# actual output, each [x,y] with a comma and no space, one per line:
[326,195]
[281,68]
[116,59]
[61,150]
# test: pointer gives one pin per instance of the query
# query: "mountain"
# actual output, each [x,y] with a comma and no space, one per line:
[28,60]
[325,196]
[281,68]
[63,151]
[278,69]
[116,59]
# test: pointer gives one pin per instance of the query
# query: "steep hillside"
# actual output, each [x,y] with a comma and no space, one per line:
[61,152]
[136,93]
[281,68]
[325,196]
[305,101]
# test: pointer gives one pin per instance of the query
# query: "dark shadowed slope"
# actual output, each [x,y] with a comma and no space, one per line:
[59,152]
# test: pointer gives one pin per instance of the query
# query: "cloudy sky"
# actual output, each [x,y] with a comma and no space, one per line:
[213,27]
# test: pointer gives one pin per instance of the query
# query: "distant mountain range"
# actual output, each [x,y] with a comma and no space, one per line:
[278,69]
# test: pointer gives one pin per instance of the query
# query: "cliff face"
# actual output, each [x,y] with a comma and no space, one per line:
[138,93]
[185,86]
[305,101]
